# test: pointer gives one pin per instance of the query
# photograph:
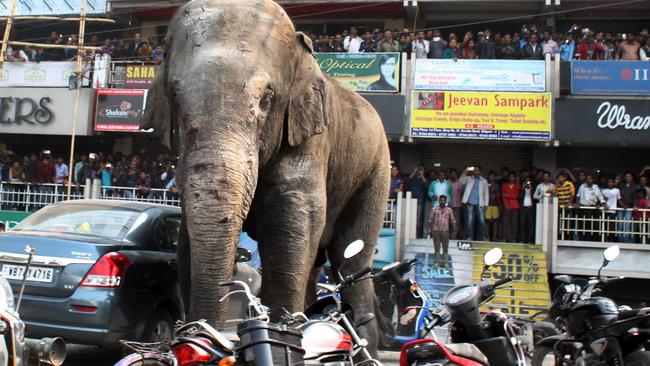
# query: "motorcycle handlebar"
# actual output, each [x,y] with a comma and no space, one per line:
[502,281]
[352,278]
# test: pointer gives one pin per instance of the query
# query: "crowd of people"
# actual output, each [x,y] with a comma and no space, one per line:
[502,207]
[530,43]
[148,50]
[133,176]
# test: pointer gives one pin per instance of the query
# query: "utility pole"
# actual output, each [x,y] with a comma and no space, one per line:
[10,22]
[79,74]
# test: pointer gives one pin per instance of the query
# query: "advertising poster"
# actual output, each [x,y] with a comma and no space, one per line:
[476,115]
[53,7]
[480,75]
[119,109]
[610,77]
[528,293]
[140,76]
[435,280]
[363,72]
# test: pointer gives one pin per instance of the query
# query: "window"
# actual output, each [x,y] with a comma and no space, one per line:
[166,233]
[173,225]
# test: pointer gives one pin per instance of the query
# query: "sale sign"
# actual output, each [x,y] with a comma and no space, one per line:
[481,115]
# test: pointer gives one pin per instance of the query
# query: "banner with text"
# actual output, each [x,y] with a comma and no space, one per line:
[40,74]
[50,7]
[469,115]
[119,109]
[528,293]
[610,77]
[140,76]
[603,120]
[363,72]
[480,75]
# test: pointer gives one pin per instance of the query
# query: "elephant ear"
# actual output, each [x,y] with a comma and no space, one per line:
[157,113]
[307,113]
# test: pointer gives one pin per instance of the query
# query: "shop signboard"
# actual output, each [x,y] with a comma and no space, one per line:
[52,7]
[480,75]
[603,120]
[40,74]
[44,111]
[140,76]
[481,115]
[363,72]
[119,109]
[610,77]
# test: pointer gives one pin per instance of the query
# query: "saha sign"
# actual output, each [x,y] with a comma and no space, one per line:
[473,115]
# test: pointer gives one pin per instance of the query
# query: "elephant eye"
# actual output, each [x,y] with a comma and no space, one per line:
[265,101]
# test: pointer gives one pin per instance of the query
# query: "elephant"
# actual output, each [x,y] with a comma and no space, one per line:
[269,144]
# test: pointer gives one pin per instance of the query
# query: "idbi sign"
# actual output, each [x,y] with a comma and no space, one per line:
[52,7]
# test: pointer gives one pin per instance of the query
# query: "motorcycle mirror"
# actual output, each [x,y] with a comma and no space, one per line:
[353,249]
[492,257]
[611,253]
[243,255]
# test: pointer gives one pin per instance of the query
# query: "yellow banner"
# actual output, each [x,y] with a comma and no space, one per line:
[484,115]
[528,293]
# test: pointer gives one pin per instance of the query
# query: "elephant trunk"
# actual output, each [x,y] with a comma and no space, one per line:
[217,184]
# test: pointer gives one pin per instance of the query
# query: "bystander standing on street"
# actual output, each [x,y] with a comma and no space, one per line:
[442,222]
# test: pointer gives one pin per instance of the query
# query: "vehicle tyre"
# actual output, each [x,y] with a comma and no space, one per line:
[543,356]
[543,330]
[640,358]
[147,359]
[160,327]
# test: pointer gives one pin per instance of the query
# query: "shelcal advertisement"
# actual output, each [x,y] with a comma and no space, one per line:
[481,115]
[119,109]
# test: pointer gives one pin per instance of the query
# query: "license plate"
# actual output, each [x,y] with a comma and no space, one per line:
[36,274]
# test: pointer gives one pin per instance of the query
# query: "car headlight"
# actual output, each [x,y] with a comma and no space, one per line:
[6,295]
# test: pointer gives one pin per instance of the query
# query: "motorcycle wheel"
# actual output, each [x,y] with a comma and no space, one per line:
[543,356]
[640,358]
[543,330]
[146,359]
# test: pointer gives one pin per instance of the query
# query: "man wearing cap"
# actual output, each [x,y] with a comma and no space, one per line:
[107,180]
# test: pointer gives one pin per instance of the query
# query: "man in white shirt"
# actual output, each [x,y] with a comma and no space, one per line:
[544,189]
[612,195]
[527,213]
[589,198]
[420,46]
[352,43]
[16,55]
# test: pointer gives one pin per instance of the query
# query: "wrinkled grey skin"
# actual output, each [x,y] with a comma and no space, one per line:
[270,144]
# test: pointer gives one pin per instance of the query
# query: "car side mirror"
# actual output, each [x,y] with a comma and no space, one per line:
[243,255]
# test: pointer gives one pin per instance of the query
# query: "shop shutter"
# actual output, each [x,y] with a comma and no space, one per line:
[488,156]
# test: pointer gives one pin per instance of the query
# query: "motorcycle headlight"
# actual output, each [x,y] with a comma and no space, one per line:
[6,295]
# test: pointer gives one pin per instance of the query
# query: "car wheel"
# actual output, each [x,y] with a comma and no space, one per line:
[160,327]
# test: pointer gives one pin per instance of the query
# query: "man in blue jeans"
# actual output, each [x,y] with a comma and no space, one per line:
[628,202]
[475,199]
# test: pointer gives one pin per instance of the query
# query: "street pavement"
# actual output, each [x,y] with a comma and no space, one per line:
[93,356]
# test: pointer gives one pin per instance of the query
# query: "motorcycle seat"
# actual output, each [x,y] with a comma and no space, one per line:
[468,350]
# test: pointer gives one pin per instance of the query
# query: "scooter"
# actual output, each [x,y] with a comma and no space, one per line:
[15,349]
[477,339]
[415,318]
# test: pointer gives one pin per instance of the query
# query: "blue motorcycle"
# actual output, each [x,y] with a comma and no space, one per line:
[416,316]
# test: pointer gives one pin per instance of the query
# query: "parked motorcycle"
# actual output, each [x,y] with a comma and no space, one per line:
[597,331]
[324,335]
[414,312]
[477,339]
[15,349]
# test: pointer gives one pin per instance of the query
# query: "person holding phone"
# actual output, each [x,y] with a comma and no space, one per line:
[475,200]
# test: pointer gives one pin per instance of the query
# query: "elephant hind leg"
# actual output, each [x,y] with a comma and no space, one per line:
[362,219]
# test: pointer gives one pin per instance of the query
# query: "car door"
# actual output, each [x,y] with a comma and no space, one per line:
[166,232]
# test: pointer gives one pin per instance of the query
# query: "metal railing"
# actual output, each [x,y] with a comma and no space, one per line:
[30,197]
[580,223]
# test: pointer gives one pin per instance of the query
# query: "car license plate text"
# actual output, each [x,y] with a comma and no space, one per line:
[36,274]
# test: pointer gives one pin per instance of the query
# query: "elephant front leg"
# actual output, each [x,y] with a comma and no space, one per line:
[293,221]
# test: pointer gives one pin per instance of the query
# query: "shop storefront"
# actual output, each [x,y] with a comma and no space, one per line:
[606,134]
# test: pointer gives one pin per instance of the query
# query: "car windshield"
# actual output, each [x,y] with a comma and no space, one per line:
[109,222]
